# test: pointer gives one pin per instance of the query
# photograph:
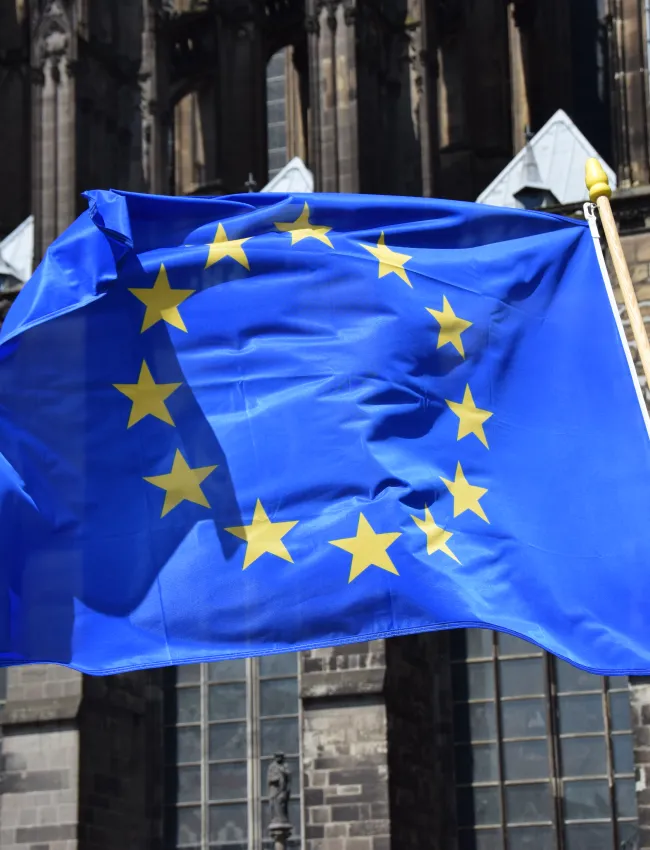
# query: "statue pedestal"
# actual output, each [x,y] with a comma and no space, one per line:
[280,833]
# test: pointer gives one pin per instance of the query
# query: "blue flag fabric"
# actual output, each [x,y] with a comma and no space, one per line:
[267,422]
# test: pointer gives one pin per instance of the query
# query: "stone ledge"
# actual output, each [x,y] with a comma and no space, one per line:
[29,781]
[33,834]
[337,683]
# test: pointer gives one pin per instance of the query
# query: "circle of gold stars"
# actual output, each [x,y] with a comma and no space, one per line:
[265,535]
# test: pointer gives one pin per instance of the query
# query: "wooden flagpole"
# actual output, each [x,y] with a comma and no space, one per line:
[599,194]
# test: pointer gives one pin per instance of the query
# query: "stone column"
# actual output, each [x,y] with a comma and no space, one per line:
[314,140]
[424,74]
[631,211]
[242,98]
[333,108]
[154,116]
[39,775]
[453,107]
[376,738]
[345,748]
[630,93]
[519,91]
[81,761]
[487,76]
[346,83]
[54,194]
[640,704]
[330,42]
[121,762]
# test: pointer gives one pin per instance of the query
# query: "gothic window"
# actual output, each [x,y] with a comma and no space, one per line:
[543,751]
[223,724]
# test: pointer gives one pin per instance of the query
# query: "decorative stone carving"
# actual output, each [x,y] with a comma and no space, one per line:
[349,12]
[278,780]
[312,25]
[52,36]
[332,7]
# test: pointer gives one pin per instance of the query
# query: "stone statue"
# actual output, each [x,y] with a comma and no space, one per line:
[278,780]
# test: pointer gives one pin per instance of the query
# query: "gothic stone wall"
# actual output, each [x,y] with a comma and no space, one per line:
[81,761]
[637,252]
[39,773]
[345,748]
[120,771]
[376,738]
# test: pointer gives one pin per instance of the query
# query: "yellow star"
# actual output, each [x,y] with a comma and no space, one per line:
[301,228]
[466,495]
[182,484]
[368,549]
[162,302]
[436,537]
[451,326]
[471,417]
[389,260]
[262,536]
[223,247]
[148,397]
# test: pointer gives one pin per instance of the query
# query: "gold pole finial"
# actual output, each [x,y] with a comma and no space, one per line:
[596,180]
[599,193]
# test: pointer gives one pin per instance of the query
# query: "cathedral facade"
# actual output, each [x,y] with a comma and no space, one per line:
[465,740]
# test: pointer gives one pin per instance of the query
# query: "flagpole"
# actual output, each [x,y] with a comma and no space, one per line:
[599,193]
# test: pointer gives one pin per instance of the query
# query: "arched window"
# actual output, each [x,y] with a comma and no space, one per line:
[543,751]
[223,723]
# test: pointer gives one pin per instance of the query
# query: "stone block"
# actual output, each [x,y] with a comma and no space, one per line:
[37,780]
[28,816]
[349,761]
[379,810]
[358,844]
[336,682]
[53,832]
[366,826]
[336,830]
[7,836]
[641,248]
[316,778]
[313,796]
[314,831]
[345,813]
[47,815]
[67,813]
[332,844]
[642,736]
[645,713]
[348,790]
[320,814]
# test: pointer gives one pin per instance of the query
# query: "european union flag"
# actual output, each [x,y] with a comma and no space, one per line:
[260,423]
